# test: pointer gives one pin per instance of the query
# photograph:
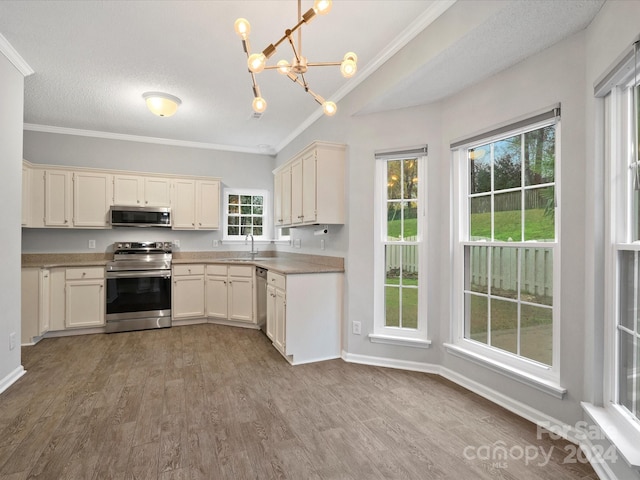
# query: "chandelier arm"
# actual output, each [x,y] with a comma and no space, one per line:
[324,64]
[293,47]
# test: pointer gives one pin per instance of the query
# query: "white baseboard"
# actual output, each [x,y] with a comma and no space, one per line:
[599,465]
[13,377]
[391,363]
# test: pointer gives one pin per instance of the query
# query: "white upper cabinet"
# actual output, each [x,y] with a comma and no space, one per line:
[141,191]
[91,199]
[208,204]
[57,198]
[196,204]
[26,192]
[310,188]
[64,197]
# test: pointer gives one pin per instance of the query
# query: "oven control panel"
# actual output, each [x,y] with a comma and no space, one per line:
[143,246]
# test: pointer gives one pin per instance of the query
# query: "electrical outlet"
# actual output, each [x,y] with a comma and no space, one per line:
[357,327]
[322,244]
[216,243]
[176,243]
[12,341]
[92,244]
[297,243]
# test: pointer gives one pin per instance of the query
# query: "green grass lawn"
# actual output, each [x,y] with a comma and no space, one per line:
[409,302]
[410,228]
[507,225]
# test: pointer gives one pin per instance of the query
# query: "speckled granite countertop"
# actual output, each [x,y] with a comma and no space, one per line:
[286,263]
[52,260]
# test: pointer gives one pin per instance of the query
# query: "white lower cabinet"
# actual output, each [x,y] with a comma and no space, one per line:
[84,297]
[187,292]
[36,294]
[230,293]
[304,314]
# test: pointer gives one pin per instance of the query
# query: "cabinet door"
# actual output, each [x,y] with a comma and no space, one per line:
[285,184]
[184,211]
[296,192]
[84,301]
[216,296]
[280,340]
[91,199]
[271,312]
[309,187]
[241,299]
[188,297]
[127,190]
[208,205]
[157,192]
[57,198]
[44,301]
[277,199]
[26,193]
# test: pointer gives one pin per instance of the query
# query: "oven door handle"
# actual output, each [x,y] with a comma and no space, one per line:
[139,274]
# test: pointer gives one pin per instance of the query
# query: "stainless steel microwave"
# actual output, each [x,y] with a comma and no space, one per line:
[125,216]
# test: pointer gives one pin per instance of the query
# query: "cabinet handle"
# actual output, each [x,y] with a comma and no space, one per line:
[146,201]
[84,273]
[66,221]
[138,201]
[193,224]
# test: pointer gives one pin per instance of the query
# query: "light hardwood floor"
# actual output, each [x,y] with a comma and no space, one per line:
[214,402]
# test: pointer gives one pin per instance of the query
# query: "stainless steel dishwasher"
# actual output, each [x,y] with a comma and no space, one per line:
[261,280]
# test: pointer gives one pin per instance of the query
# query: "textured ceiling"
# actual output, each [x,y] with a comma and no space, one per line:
[94,59]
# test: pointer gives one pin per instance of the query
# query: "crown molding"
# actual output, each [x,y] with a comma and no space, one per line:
[14,57]
[416,27]
[141,139]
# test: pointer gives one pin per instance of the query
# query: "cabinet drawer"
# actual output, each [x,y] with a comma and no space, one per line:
[241,270]
[276,280]
[179,270]
[84,273]
[217,270]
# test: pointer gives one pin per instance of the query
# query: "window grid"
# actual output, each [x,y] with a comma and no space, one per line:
[500,306]
[401,250]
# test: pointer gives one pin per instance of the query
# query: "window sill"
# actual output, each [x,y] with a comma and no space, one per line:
[619,431]
[543,385]
[401,341]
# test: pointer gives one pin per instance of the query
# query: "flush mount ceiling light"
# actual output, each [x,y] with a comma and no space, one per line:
[295,70]
[161,104]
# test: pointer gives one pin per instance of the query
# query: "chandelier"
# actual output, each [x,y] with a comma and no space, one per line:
[295,71]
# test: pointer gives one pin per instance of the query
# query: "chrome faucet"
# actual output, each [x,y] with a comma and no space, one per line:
[253,252]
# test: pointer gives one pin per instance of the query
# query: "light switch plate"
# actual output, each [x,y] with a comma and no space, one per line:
[92,244]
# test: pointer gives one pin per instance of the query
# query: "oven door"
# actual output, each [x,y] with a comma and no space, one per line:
[138,294]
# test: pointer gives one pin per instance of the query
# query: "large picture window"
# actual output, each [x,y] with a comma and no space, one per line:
[627,258]
[508,249]
[399,255]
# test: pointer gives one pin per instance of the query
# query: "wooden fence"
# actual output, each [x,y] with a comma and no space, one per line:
[536,267]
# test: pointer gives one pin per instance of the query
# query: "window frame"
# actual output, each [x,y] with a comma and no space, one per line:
[397,335]
[544,377]
[266,215]
[620,237]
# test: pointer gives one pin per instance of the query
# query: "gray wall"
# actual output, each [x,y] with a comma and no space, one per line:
[554,75]
[11,114]
[237,170]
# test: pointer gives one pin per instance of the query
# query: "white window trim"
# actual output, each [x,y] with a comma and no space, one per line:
[545,378]
[267,227]
[395,335]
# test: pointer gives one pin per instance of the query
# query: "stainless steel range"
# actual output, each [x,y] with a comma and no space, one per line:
[139,286]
